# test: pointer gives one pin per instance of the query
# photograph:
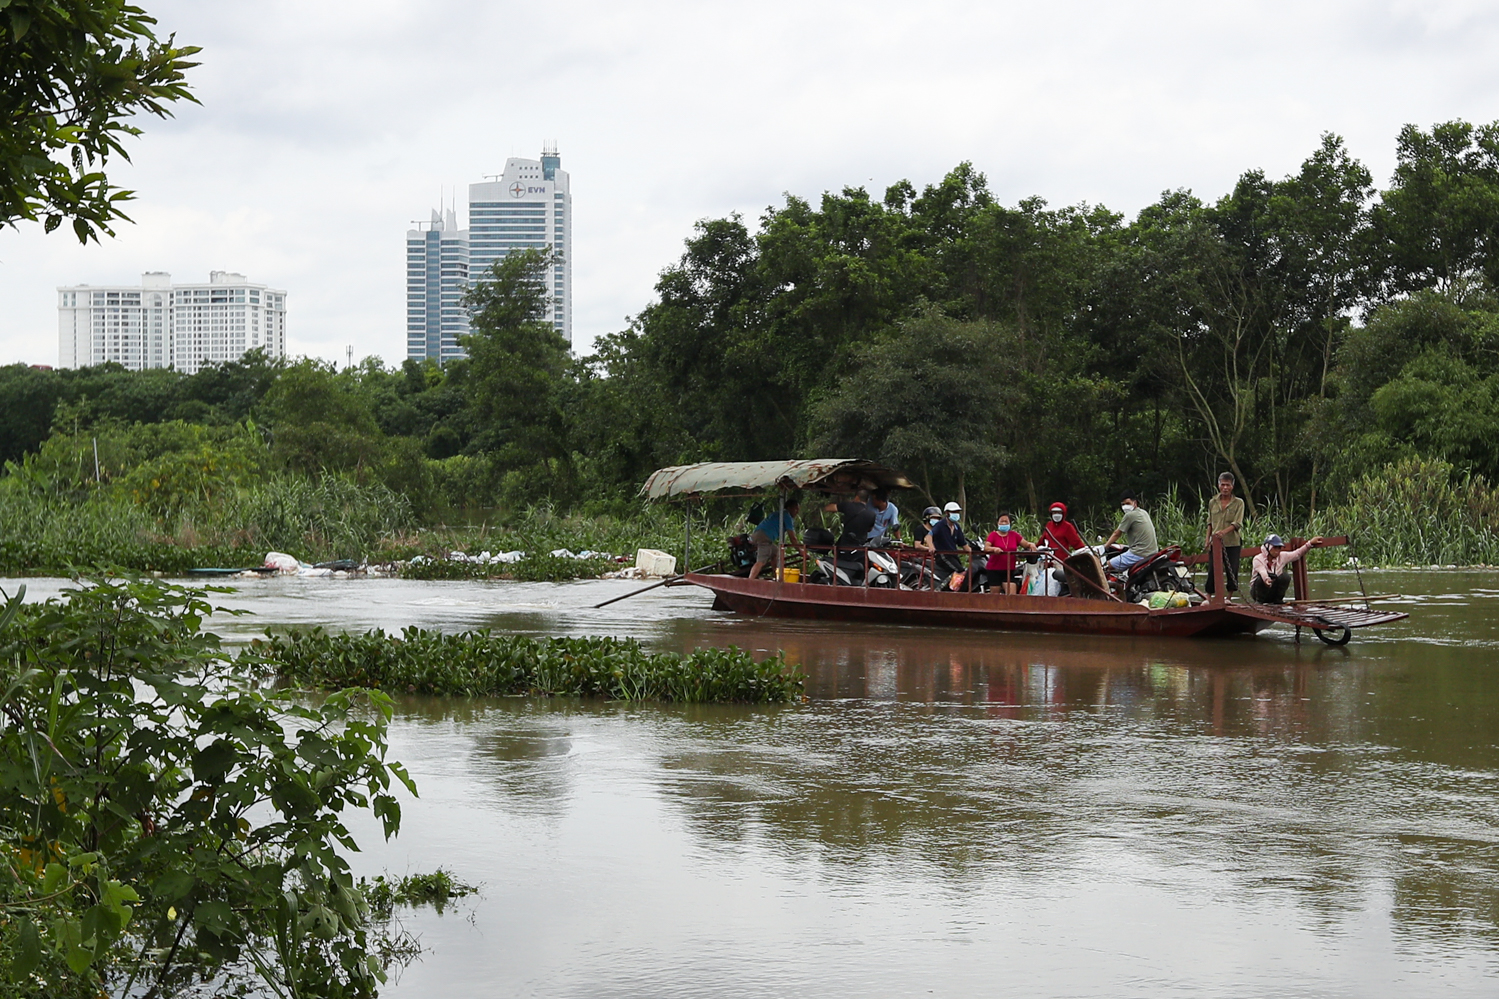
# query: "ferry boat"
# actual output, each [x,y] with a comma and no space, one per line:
[1092,608]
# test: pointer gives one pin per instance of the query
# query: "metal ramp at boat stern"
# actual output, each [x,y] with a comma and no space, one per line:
[1318,616]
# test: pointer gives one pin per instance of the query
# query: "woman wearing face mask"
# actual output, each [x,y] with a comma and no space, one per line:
[1000,572]
[1060,534]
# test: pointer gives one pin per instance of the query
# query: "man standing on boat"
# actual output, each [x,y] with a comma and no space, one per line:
[768,532]
[1138,530]
[1226,520]
[946,539]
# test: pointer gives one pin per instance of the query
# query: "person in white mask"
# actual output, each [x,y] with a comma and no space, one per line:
[1139,534]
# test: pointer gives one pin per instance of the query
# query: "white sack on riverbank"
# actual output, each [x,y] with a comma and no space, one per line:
[282,562]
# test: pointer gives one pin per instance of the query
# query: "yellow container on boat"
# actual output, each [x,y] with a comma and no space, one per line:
[791,575]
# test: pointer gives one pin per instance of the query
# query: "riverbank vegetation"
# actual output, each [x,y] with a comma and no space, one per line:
[168,823]
[481,663]
[1330,342]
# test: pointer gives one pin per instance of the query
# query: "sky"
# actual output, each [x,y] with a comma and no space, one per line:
[327,127]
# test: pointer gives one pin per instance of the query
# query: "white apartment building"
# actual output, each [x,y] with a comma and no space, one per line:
[159,324]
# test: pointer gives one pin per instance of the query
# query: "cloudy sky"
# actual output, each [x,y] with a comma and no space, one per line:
[327,126]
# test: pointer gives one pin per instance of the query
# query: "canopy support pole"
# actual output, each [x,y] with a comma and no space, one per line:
[687,541]
[781,535]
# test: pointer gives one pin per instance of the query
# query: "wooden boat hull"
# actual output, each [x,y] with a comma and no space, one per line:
[769,598]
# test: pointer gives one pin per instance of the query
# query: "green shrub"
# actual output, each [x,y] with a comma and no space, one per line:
[166,823]
[479,663]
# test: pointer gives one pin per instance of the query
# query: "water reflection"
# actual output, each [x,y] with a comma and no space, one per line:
[959,813]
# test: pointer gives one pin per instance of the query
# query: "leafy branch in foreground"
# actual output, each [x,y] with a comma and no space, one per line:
[478,663]
[75,73]
[162,822]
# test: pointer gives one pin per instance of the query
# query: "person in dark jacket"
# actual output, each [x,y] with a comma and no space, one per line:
[946,536]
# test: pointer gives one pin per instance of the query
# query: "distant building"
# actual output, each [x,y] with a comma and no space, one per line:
[159,324]
[437,260]
[529,206]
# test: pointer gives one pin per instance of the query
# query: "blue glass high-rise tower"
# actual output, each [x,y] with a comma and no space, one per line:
[437,262]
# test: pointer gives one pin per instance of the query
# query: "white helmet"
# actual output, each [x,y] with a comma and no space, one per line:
[952,507]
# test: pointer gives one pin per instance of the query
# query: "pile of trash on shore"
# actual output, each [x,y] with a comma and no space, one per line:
[649,564]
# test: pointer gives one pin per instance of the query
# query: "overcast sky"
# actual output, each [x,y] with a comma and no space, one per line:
[327,126]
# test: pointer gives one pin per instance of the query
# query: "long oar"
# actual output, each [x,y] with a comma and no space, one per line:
[636,593]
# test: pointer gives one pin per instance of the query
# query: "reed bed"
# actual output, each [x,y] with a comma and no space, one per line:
[481,663]
[46,531]
[534,568]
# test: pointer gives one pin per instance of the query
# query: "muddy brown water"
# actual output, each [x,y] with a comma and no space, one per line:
[953,813]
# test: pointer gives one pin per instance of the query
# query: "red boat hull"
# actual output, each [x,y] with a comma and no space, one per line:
[769,598]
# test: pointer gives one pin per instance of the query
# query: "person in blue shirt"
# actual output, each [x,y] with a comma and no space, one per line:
[886,520]
[768,532]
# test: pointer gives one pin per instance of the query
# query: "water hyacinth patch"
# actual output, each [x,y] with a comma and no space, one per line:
[481,663]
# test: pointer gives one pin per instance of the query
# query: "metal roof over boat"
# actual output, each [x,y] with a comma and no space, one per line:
[832,475]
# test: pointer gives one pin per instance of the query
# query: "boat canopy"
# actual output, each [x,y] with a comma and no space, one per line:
[830,475]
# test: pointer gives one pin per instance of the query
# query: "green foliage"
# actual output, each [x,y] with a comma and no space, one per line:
[435,889]
[517,368]
[76,74]
[163,820]
[1440,218]
[46,529]
[536,567]
[1422,512]
[478,663]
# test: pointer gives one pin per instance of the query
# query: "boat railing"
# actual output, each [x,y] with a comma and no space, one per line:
[800,556]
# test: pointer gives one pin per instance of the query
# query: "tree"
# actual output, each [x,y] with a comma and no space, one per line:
[928,395]
[75,73]
[319,423]
[518,367]
[1440,219]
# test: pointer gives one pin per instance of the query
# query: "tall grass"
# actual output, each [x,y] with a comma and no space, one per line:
[479,663]
[1421,512]
[1415,512]
[52,531]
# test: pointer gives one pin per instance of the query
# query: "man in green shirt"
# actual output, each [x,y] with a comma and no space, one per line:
[1138,531]
[1226,520]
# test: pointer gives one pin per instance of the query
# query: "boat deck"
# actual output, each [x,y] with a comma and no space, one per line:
[763,597]
[1318,615]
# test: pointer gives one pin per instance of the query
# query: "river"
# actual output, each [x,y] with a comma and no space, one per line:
[953,813]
